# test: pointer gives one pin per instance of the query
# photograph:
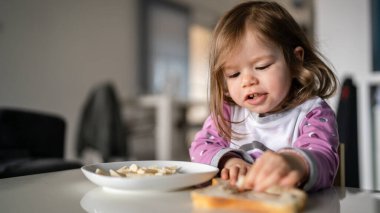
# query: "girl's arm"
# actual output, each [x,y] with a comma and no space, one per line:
[318,143]
[209,147]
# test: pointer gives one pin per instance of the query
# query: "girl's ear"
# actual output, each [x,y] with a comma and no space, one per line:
[298,51]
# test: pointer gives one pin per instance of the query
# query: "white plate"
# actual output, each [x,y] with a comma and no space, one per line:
[189,174]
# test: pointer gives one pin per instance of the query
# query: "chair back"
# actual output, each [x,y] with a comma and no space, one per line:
[340,178]
[25,133]
[101,126]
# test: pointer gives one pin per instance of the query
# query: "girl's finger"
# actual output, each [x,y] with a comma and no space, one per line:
[249,179]
[252,175]
[266,170]
[243,171]
[234,173]
[272,179]
[225,174]
[255,170]
[292,179]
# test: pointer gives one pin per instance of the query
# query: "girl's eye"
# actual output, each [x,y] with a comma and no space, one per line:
[234,75]
[262,67]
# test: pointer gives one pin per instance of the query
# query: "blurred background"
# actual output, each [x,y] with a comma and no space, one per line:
[129,77]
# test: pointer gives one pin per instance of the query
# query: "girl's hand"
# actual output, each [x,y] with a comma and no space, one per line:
[284,169]
[233,168]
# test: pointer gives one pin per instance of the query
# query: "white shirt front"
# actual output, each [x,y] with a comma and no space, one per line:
[274,131]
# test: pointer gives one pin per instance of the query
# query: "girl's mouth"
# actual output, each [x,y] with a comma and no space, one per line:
[254,95]
[256,98]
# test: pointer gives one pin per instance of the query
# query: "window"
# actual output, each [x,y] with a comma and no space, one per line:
[376,35]
[164,49]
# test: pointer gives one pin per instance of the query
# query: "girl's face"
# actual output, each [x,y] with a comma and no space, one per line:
[257,75]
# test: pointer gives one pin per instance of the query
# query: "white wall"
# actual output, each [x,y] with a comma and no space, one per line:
[344,36]
[52,52]
[342,30]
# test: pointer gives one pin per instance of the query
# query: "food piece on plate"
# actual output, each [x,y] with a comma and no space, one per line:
[133,168]
[114,173]
[168,170]
[224,196]
[123,169]
[100,171]
[136,171]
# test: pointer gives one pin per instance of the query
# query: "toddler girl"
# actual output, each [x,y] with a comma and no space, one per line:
[269,120]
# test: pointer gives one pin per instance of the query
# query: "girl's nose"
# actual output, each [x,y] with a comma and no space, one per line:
[248,80]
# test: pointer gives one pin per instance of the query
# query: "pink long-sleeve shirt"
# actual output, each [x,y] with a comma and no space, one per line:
[309,129]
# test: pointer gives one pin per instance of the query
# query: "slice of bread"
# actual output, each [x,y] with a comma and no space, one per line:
[276,199]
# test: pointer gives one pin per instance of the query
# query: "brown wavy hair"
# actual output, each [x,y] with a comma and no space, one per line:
[311,76]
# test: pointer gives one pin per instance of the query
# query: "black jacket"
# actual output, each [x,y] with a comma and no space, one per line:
[101,126]
[347,119]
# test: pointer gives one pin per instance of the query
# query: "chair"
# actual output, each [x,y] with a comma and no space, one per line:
[340,178]
[102,128]
[31,142]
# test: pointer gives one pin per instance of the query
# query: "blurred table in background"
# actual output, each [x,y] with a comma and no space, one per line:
[164,120]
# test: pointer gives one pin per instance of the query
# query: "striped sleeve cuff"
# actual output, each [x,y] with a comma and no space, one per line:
[313,171]
[215,160]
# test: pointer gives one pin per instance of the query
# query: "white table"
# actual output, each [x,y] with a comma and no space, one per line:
[70,191]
